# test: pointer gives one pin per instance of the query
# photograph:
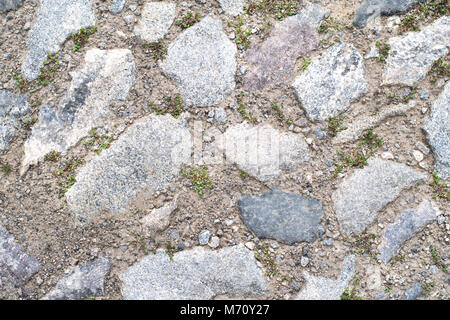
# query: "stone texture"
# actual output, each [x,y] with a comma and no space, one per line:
[366,191]
[145,158]
[437,128]
[331,82]
[404,228]
[262,151]
[319,288]
[286,217]
[12,108]
[414,292]
[233,7]
[272,61]
[68,15]
[117,6]
[370,9]
[16,267]
[155,21]
[196,274]
[6,5]
[82,282]
[357,128]
[106,75]
[202,62]
[158,219]
[412,55]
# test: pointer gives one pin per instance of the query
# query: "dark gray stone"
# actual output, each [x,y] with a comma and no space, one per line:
[414,292]
[409,223]
[6,5]
[16,267]
[82,282]
[283,216]
[372,8]
[12,107]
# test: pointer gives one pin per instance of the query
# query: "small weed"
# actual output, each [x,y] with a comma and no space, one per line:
[424,13]
[440,189]
[82,37]
[280,8]
[199,178]
[437,259]
[98,142]
[427,286]
[241,34]
[172,105]
[306,62]
[383,49]
[439,69]
[350,295]
[67,173]
[335,126]
[5,169]
[365,243]
[158,49]
[188,20]
[139,243]
[278,112]
[243,174]
[268,259]
[170,250]
[409,23]
[242,108]
[52,156]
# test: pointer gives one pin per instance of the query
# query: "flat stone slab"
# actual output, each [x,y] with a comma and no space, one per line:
[7,5]
[437,128]
[12,108]
[158,219]
[331,82]
[55,22]
[16,266]
[272,61]
[405,227]
[319,288]
[370,9]
[412,55]
[196,274]
[233,7]
[366,191]
[155,21]
[261,151]
[202,63]
[146,157]
[106,75]
[286,217]
[83,282]
[357,128]
[414,292]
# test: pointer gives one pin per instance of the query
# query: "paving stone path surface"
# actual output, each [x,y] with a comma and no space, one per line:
[230,149]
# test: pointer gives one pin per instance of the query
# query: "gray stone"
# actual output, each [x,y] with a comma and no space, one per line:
[366,191]
[16,266]
[407,225]
[203,237]
[202,62]
[262,151]
[437,128]
[6,5]
[106,75]
[233,7]
[196,274]
[331,82]
[117,6]
[282,216]
[158,219]
[220,115]
[272,61]
[412,55]
[82,282]
[370,9]
[55,22]
[155,21]
[304,261]
[414,292]
[12,107]
[145,158]
[215,242]
[357,128]
[319,288]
